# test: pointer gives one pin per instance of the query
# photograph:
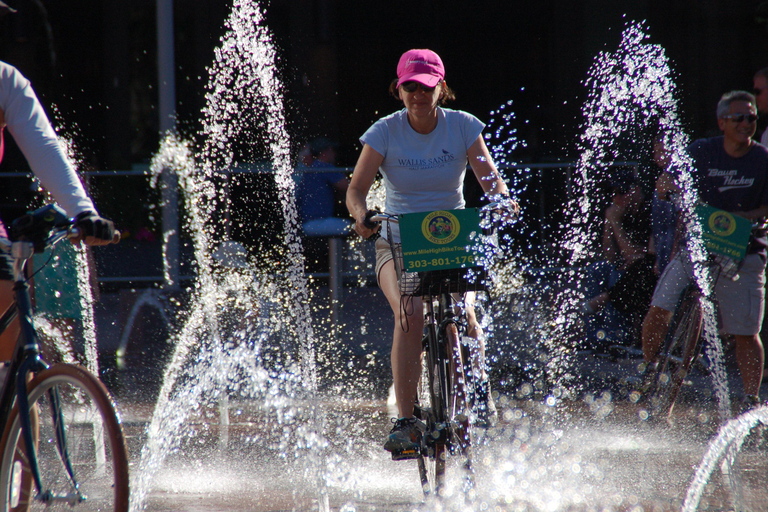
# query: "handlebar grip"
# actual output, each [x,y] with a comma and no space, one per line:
[367,222]
[76,234]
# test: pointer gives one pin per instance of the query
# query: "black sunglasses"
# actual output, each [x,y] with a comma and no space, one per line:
[411,86]
[737,118]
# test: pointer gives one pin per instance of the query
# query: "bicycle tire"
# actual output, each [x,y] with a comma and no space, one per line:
[431,461]
[681,349]
[447,420]
[457,396]
[95,446]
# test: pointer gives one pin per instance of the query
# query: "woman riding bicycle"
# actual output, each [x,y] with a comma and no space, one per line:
[422,152]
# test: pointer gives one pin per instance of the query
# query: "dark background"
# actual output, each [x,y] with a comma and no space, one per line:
[93,63]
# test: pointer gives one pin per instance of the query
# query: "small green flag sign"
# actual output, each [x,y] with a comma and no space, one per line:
[439,240]
[724,233]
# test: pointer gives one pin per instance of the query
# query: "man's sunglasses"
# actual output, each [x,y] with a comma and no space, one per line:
[738,118]
[411,86]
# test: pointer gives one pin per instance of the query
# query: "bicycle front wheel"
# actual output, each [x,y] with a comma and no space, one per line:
[448,435]
[681,350]
[80,448]
[432,412]
[457,399]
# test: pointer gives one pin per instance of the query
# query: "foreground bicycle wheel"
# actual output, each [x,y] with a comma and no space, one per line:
[442,402]
[66,399]
[431,412]
[459,441]
[682,348]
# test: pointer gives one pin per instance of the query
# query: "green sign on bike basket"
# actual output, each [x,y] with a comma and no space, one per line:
[439,240]
[724,233]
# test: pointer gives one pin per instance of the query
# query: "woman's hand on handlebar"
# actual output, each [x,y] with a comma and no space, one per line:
[503,209]
[95,229]
[365,227]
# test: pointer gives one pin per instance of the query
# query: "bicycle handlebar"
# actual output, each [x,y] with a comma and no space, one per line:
[57,236]
[373,218]
[74,233]
[6,244]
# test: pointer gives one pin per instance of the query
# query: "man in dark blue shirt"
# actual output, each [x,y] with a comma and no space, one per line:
[731,172]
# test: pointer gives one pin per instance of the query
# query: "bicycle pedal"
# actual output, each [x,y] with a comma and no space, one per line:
[406,455]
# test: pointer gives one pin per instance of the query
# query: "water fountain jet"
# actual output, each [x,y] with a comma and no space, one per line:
[212,363]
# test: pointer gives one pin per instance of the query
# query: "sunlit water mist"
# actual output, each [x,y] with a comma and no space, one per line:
[64,338]
[631,99]
[725,450]
[247,338]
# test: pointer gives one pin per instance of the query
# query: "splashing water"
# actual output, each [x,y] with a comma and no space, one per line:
[63,338]
[244,71]
[502,139]
[228,347]
[724,449]
[631,98]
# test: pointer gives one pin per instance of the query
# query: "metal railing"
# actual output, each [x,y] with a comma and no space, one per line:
[547,187]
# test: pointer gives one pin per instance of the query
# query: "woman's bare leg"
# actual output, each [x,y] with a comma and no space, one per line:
[406,341]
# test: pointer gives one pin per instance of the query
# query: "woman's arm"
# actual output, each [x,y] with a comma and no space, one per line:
[485,170]
[629,250]
[34,135]
[362,178]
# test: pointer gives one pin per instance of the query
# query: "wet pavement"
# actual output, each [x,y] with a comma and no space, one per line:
[592,453]
[569,458]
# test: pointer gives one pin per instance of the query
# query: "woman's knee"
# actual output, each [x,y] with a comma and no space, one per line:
[413,320]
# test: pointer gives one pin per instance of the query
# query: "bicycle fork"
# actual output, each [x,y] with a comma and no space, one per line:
[30,364]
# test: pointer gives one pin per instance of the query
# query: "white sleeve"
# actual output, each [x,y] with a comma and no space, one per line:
[33,133]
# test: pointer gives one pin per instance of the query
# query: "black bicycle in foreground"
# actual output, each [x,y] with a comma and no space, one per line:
[62,445]
[450,364]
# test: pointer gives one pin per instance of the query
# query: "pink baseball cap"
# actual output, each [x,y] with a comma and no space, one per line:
[423,66]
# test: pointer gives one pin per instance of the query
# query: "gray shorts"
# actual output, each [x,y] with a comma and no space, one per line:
[740,302]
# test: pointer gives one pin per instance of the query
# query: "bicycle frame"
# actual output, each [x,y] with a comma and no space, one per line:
[27,358]
[448,362]
[435,344]
[687,316]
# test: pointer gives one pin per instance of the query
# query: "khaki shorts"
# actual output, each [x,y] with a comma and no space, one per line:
[740,302]
[383,254]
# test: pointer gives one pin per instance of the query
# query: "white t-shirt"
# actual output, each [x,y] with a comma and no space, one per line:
[764,138]
[34,135]
[423,172]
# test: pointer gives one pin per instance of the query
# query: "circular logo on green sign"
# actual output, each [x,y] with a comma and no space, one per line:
[440,227]
[722,223]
